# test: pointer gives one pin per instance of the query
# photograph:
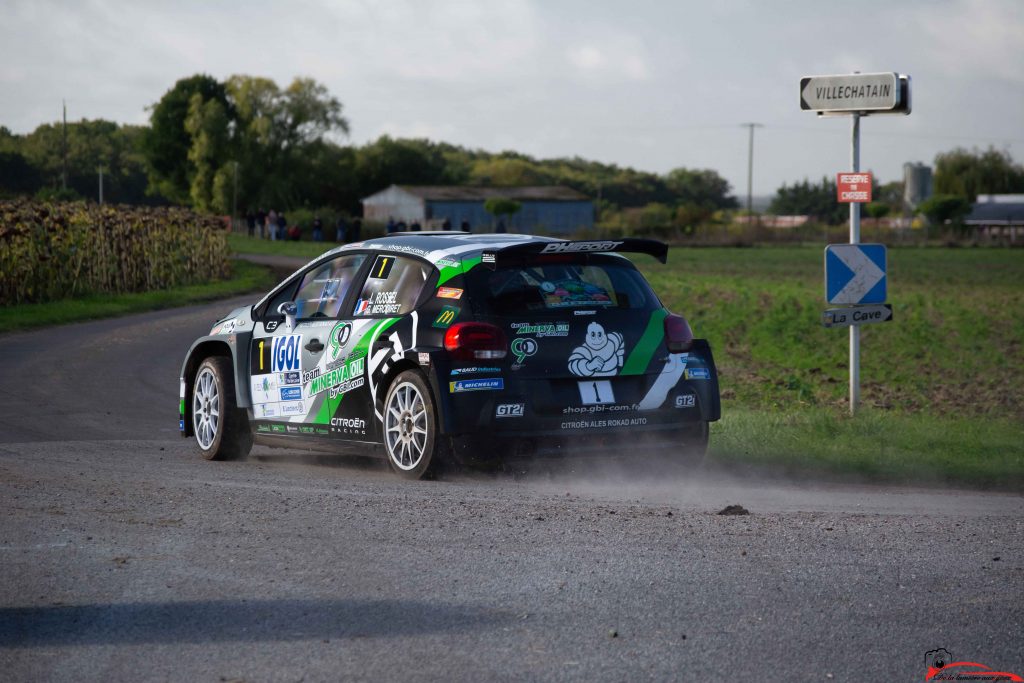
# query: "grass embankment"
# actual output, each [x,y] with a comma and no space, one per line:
[245,277]
[942,385]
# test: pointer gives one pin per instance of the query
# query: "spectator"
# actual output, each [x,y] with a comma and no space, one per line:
[447,225]
[282,226]
[400,226]
[272,224]
[465,226]
[318,229]
[294,233]
[501,226]
[341,230]
[392,227]
[357,227]
[250,222]
[415,227]
[261,220]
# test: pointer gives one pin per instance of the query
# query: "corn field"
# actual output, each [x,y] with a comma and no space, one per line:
[62,250]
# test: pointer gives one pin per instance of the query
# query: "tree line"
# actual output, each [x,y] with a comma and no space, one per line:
[246,143]
[225,146]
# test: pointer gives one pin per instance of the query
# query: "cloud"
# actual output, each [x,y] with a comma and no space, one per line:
[976,37]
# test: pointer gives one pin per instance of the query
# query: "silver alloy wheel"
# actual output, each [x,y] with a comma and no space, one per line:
[405,426]
[206,408]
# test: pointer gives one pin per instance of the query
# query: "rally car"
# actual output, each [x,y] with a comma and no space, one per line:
[427,347]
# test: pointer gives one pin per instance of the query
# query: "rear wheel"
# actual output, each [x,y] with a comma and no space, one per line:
[410,426]
[221,427]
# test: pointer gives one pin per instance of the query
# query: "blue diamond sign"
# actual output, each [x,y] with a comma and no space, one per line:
[855,274]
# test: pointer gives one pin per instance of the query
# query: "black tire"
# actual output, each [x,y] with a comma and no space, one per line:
[221,428]
[411,435]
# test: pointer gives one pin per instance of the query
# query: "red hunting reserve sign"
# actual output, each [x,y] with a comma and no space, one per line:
[853,187]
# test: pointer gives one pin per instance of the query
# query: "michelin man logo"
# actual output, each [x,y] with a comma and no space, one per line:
[600,355]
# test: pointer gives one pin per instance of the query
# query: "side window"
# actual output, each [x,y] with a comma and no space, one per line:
[324,288]
[392,286]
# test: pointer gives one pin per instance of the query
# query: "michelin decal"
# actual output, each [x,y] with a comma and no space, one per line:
[600,355]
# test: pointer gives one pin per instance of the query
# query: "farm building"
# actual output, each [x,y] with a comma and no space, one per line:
[552,209]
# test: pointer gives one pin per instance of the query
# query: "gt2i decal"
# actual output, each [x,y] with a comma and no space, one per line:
[686,401]
[510,410]
[600,355]
[492,384]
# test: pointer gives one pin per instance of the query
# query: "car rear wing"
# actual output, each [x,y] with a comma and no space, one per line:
[492,258]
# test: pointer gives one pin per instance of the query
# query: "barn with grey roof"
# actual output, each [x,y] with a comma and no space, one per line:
[552,209]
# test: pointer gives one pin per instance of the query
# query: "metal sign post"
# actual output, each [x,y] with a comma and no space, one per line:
[854,239]
[855,95]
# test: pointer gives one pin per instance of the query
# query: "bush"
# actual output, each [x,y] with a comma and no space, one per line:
[51,251]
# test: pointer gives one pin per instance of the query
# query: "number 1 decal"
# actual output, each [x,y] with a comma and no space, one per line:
[382,267]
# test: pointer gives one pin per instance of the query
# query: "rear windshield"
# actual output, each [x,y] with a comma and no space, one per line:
[557,283]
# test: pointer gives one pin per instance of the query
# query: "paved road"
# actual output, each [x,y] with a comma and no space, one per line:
[126,557]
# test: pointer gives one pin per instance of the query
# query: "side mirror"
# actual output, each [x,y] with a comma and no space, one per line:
[288,310]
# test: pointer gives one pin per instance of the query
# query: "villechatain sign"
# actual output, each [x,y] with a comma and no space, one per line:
[853,187]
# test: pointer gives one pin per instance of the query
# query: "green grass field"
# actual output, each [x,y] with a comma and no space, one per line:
[245,277]
[942,385]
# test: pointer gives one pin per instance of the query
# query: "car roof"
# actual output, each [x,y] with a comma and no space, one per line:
[436,245]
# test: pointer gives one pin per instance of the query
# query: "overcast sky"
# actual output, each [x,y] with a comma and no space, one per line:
[653,85]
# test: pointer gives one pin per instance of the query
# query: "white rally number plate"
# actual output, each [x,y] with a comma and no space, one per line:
[594,392]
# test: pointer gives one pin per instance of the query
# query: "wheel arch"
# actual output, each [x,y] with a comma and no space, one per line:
[200,351]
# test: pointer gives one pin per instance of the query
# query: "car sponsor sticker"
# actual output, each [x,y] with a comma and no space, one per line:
[263,411]
[595,392]
[449,293]
[574,247]
[291,393]
[264,389]
[293,408]
[286,353]
[424,358]
[697,373]
[542,329]
[600,355]
[446,317]
[523,348]
[474,370]
[606,423]
[291,377]
[339,337]
[686,401]
[344,375]
[490,384]
[509,410]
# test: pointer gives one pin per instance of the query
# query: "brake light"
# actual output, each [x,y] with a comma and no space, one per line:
[678,334]
[475,341]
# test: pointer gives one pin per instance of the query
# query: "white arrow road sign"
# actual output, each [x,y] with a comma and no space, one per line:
[855,274]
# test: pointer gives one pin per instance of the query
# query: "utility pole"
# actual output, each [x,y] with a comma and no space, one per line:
[64,149]
[750,169]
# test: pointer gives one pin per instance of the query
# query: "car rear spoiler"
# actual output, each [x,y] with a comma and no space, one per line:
[493,257]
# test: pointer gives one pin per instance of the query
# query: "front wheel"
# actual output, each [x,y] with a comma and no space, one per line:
[410,426]
[221,427]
